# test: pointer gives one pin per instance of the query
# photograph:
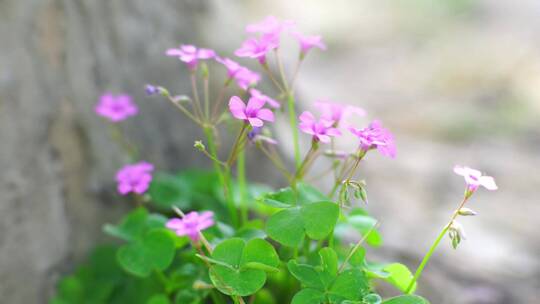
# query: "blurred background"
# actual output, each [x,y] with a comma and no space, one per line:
[458,82]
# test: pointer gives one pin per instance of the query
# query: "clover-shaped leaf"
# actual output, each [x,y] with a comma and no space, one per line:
[406,299]
[135,224]
[154,251]
[396,274]
[239,268]
[289,226]
[326,282]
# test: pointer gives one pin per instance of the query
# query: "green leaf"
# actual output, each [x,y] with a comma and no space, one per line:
[329,265]
[283,198]
[306,274]
[159,299]
[309,194]
[400,276]
[308,296]
[319,219]
[155,251]
[230,251]
[260,251]
[289,226]
[286,227]
[372,298]
[246,265]
[406,299]
[351,284]
[132,226]
[168,190]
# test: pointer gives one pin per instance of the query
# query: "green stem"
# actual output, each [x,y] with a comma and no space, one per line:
[431,250]
[224,175]
[426,259]
[294,129]
[241,172]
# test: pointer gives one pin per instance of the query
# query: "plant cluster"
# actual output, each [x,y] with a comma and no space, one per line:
[213,237]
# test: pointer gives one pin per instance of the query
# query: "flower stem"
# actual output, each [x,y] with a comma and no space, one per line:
[294,129]
[224,175]
[197,102]
[241,172]
[431,250]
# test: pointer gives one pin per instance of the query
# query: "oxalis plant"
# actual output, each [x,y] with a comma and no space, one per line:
[212,237]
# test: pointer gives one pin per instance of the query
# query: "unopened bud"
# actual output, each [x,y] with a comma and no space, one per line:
[180,98]
[466,212]
[199,146]
[163,92]
[459,229]
[151,90]
[198,285]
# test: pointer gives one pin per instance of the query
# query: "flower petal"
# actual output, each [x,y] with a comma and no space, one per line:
[265,114]
[488,182]
[255,122]
[237,107]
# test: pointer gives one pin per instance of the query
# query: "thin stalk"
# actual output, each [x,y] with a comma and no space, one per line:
[241,172]
[357,246]
[118,136]
[236,145]
[295,73]
[224,175]
[431,250]
[206,98]
[278,163]
[294,129]
[197,102]
[220,98]
[281,71]
[184,110]
[272,78]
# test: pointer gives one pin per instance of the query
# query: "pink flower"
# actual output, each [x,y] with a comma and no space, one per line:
[321,130]
[116,108]
[271,102]
[338,112]
[191,55]
[246,78]
[474,178]
[252,113]
[232,66]
[134,178]
[308,42]
[270,28]
[269,25]
[257,48]
[375,136]
[192,224]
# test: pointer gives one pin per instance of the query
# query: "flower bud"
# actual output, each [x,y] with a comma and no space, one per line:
[467,212]
[198,285]
[151,90]
[163,92]
[199,146]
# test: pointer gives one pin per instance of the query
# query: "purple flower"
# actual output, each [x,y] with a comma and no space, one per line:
[151,90]
[321,130]
[191,224]
[252,113]
[257,48]
[116,108]
[474,178]
[271,102]
[375,136]
[308,42]
[255,135]
[245,78]
[134,178]
[190,55]
[338,112]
